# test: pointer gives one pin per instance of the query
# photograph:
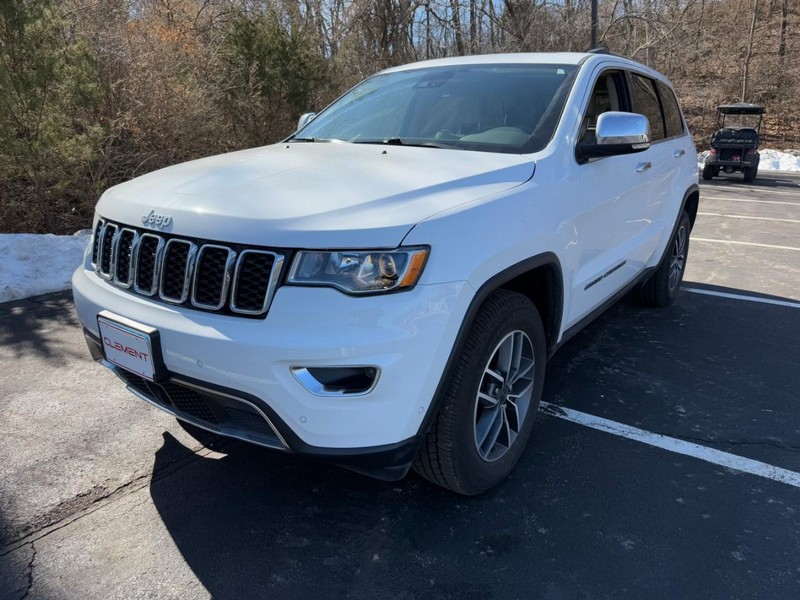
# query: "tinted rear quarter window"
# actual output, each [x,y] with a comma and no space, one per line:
[672,113]
[645,101]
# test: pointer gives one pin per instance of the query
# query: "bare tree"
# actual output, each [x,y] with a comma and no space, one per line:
[749,54]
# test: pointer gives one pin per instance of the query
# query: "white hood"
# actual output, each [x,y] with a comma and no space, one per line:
[313,195]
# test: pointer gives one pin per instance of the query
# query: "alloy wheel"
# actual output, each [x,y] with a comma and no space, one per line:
[504,396]
[678,258]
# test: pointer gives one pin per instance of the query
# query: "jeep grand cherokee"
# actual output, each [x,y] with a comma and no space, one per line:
[384,288]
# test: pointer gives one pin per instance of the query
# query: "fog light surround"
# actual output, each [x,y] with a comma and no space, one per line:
[338,381]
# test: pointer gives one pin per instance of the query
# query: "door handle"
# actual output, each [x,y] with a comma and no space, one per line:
[679,153]
[643,166]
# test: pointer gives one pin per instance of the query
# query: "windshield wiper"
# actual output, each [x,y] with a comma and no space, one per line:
[303,139]
[396,141]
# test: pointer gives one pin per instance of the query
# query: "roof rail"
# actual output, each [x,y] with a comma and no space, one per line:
[604,51]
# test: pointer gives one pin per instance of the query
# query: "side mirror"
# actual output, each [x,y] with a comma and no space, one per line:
[305,119]
[616,133]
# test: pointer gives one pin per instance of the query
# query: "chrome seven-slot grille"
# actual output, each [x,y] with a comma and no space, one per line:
[193,273]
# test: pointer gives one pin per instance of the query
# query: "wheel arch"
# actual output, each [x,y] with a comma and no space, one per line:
[540,278]
[691,203]
[542,283]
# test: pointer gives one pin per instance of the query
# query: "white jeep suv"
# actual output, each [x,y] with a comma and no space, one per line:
[384,288]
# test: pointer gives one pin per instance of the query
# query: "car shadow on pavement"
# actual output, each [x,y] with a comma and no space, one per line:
[260,524]
[25,325]
[583,513]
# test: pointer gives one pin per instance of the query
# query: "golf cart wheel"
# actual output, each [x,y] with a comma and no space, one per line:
[708,172]
[750,173]
[490,399]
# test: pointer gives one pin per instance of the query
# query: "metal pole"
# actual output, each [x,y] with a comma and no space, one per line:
[594,24]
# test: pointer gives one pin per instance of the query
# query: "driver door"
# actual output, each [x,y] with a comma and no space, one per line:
[613,210]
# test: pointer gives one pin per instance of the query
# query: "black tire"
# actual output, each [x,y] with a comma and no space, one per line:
[451,455]
[708,172]
[209,439]
[750,173]
[663,286]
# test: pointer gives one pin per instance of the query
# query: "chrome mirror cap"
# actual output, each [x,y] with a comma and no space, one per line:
[614,128]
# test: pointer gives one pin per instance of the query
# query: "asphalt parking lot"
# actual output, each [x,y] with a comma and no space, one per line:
[665,464]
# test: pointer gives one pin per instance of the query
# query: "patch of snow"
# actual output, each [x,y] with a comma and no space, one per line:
[701,159]
[775,160]
[771,160]
[33,264]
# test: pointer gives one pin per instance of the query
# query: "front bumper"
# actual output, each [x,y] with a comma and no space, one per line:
[233,414]
[407,335]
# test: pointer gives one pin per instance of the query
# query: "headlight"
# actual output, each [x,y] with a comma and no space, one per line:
[359,271]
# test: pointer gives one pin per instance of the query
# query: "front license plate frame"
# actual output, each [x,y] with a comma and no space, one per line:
[131,346]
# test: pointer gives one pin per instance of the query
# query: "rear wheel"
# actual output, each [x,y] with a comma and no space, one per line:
[708,172]
[490,401]
[750,173]
[663,286]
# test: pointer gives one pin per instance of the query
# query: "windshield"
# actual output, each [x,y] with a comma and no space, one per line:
[742,121]
[493,108]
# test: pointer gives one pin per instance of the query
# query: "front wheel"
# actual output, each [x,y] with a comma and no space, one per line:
[663,286]
[491,399]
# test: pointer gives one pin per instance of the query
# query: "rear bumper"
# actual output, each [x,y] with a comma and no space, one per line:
[739,164]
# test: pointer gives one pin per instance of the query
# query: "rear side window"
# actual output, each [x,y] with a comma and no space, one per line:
[672,113]
[645,101]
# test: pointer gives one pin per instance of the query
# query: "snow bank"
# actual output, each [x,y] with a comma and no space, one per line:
[33,264]
[775,160]
[771,160]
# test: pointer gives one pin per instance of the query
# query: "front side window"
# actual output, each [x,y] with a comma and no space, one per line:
[606,96]
[492,108]
[645,102]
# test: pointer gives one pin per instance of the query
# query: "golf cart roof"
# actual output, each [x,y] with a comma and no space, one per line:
[741,108]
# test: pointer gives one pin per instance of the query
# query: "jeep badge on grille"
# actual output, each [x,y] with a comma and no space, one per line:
[156,220]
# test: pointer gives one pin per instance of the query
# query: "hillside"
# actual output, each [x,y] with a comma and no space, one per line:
[95,92]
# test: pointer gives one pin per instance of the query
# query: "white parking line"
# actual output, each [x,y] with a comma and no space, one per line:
[708,214]
[758,190]
[750,200]
[736,243]
[743,297]
[711,455]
